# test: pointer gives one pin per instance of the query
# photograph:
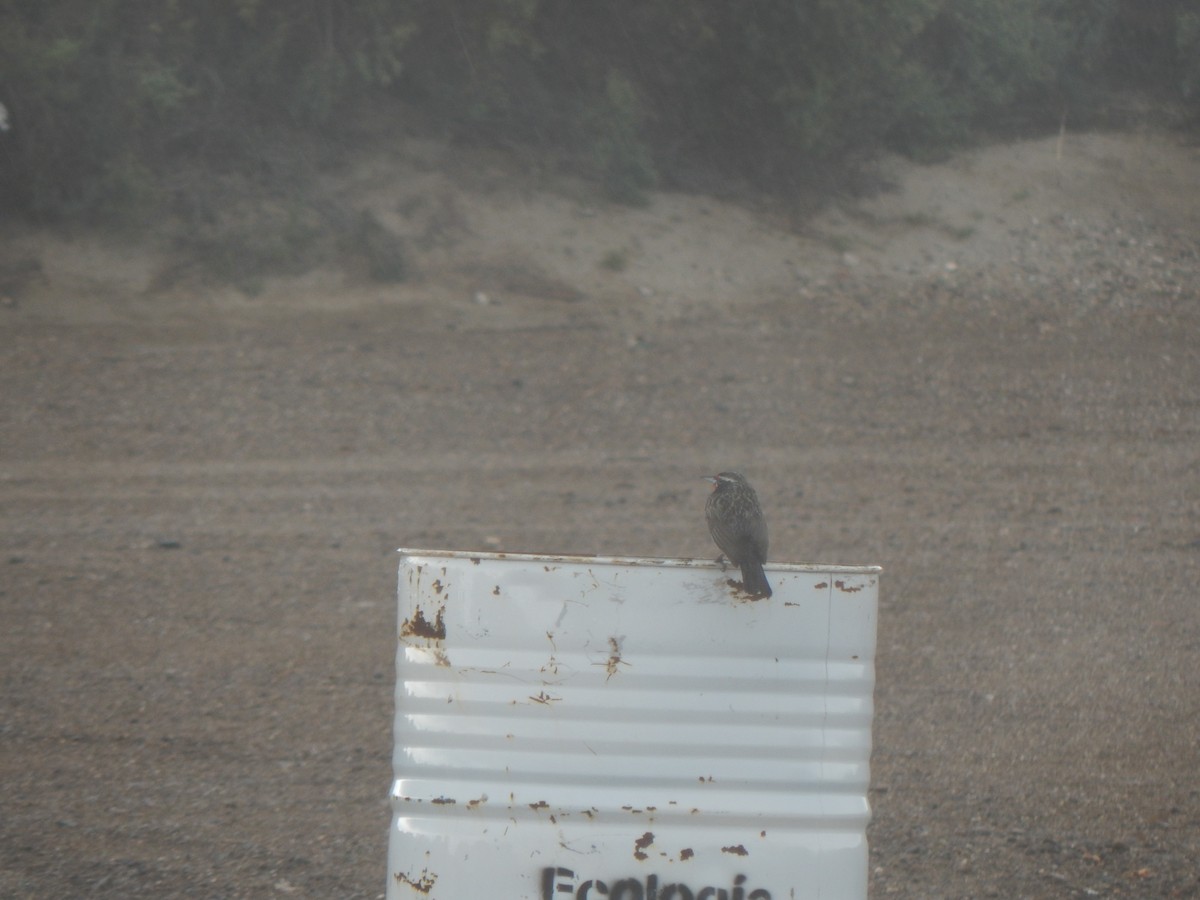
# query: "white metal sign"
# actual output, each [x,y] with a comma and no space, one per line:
[629,729]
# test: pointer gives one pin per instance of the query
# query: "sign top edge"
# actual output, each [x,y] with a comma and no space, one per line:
[594,560]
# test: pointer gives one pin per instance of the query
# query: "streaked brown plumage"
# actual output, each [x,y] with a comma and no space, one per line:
[736,523]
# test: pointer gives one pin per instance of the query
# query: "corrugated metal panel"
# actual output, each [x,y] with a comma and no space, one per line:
[629,728]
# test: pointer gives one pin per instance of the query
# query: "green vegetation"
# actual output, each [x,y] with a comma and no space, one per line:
[959,232]
[615,260]
[122,108]
[840,243]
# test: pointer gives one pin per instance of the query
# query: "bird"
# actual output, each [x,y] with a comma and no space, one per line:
[736,523]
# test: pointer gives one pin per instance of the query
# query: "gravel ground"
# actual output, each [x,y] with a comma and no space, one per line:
[202,495]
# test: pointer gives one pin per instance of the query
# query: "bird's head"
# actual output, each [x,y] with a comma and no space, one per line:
[725,479]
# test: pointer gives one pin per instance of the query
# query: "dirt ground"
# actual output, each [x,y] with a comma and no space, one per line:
[985,378]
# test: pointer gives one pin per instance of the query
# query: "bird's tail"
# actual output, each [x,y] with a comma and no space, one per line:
[754,580]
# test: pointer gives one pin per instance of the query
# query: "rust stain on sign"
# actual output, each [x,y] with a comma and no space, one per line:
[423,883]
[739,850]
[614,658]
[686,853]
[847,588]
[419,626]
[641,844]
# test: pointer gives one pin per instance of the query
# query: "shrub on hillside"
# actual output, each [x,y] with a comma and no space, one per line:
[108,98]
[105,94]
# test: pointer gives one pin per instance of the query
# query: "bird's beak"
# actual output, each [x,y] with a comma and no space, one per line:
[711,479]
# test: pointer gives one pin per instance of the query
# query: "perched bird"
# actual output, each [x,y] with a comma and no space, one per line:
[736,523]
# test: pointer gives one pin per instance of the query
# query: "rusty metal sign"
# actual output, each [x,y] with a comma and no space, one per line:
[629,729]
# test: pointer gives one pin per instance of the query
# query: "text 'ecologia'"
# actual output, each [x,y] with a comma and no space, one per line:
[559,883]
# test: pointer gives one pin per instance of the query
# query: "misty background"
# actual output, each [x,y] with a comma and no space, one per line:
[210,118]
